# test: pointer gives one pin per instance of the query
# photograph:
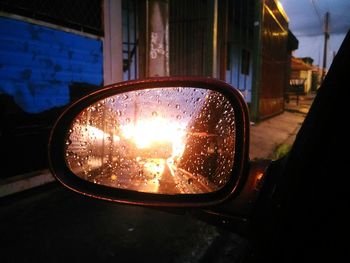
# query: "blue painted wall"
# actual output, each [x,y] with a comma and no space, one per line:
[38,64]
[234,75]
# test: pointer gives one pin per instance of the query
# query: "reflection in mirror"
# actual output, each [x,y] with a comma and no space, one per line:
[164,140]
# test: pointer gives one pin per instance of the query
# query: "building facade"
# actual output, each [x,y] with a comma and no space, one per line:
[53,52]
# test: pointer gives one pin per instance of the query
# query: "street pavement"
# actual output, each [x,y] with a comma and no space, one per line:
[52,224]
[268,134]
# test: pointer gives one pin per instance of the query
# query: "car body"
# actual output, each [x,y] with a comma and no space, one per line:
[292,210]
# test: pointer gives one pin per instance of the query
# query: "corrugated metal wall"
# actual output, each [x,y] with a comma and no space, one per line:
[274,61]
[187,36]
[39,64]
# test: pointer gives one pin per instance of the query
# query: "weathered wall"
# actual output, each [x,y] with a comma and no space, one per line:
[38,64]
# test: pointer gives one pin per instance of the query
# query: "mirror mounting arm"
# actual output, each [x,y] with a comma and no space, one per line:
[236,212]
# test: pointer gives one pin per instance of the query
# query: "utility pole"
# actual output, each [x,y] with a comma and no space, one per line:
[326,37]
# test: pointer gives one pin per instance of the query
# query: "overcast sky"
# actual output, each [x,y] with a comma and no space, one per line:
[306,21]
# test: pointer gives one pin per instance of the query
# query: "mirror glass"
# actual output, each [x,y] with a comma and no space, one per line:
[177,140]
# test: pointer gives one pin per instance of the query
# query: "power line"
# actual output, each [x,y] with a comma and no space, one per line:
[327,4]
[317,12]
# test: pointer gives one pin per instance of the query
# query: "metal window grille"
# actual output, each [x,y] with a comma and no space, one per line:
[130,39]
[85,16]
[188,36]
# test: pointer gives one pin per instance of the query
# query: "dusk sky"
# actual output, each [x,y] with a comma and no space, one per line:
[306,21]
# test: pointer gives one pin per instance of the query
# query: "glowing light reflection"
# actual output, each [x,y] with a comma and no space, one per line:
[151,131]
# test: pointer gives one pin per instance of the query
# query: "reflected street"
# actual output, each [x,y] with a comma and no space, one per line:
[150,175]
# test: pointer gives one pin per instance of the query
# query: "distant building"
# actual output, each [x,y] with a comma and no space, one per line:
[304,73]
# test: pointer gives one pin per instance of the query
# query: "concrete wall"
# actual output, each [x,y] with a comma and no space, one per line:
[307,75]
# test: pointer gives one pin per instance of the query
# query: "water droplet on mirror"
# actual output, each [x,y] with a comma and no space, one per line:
[177,106]
[190,181]
[154,114]
[69,142]
[127,120]
[178,117]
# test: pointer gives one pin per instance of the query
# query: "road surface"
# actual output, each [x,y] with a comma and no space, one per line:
[149,175]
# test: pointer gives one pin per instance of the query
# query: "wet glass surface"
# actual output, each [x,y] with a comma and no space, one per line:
[164,140]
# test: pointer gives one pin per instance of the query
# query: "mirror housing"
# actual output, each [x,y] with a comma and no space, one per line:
[62,169]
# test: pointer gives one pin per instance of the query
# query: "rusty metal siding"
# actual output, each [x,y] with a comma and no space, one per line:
[274,61]
[39,64]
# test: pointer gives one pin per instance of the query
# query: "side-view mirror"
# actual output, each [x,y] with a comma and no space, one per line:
[179,142]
